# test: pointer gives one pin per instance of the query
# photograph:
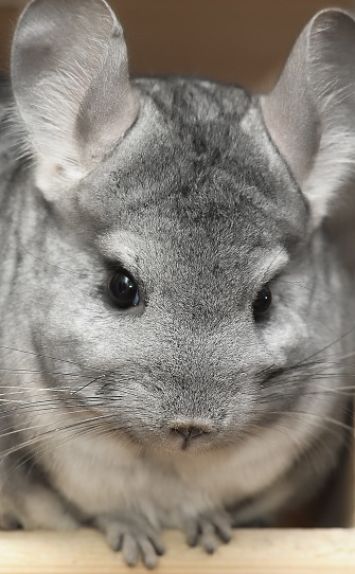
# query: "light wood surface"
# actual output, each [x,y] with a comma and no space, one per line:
[252,552]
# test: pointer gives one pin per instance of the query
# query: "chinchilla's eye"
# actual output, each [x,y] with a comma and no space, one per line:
[262,302]
[123,290]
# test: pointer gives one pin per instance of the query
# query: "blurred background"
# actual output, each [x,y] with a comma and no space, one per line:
[238,41]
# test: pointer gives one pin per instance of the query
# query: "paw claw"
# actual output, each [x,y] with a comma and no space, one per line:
[130,550]
[209,531]
[192,538]
[135,537]
[158,546]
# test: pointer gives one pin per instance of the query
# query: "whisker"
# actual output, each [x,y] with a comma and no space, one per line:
[28,372]
[91,382]
[34,354]
[322,418]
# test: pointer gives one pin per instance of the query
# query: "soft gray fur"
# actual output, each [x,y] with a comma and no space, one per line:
[179,182]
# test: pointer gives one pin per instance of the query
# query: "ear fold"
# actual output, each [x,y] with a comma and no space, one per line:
[70,81]
[310,113]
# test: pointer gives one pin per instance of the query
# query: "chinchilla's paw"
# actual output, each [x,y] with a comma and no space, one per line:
[33,509]
[134,536]
[208,530]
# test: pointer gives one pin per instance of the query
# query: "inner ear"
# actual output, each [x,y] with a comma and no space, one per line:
[70,80]
[311,111]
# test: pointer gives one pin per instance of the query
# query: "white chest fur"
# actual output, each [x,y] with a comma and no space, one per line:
[102,475]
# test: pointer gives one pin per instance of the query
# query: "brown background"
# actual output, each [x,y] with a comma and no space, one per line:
[243,41]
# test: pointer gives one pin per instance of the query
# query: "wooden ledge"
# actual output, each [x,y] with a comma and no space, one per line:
[252,552]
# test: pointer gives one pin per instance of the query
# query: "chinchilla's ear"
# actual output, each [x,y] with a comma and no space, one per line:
[71,86]
[310,113]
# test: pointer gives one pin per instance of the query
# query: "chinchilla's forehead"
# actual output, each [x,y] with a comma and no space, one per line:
[198,161]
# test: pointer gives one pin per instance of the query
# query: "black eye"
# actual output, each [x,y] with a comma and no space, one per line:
[262,302]
[123,290]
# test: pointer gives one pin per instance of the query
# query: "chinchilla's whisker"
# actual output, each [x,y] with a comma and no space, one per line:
[322,418]
[16,402]
[334,431]
[40,356]
[298,284]
[306,362]
[260,428]
[328,346]
[51,394]
[98,378]
[316,377]
[54,413]
[12,404]
[55,266]
[34,444]
[68,398]
[338,358]
[327,393]
[71,428]
[321,392]
[16,407]
[43,435]
[302,376]
[65,399]
[41,449]
[320,385]
[24,389]
[56,373]
[97,430]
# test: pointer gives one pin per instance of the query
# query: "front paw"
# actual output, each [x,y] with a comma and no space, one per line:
[134,536]
[208,530]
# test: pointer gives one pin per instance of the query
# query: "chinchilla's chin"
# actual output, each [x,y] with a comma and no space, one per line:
[175,448]
[171,456]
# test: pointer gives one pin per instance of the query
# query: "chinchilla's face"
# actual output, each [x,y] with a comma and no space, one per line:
[186,248]
[176,264]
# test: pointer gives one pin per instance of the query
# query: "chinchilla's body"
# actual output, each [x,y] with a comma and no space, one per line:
[176,316]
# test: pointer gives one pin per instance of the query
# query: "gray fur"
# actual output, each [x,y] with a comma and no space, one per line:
[196,202]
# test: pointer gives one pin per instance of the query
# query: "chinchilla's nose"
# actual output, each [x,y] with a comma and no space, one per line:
[189,431]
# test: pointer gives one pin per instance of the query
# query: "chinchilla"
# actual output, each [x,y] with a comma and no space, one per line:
[177,306]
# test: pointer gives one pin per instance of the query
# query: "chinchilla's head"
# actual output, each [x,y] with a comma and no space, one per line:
[181,269]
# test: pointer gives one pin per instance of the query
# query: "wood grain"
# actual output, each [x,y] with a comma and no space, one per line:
[252,552]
